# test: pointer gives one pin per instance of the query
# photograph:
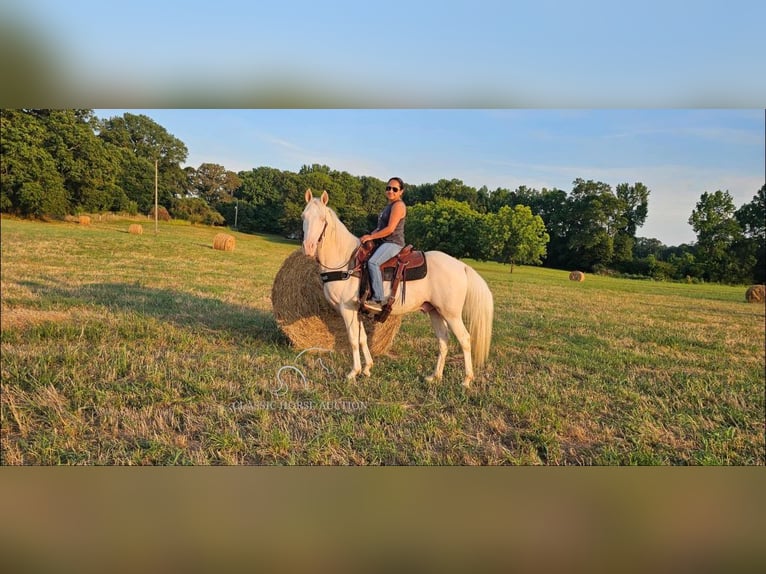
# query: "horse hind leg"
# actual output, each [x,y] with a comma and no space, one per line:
[442,334]
[464,338]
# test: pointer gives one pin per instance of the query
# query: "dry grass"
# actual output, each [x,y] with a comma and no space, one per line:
[24,318]
[308,320]
[162,352]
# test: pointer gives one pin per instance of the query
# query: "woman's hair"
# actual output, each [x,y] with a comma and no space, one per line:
[399,179]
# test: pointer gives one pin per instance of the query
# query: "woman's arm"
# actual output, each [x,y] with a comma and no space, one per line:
[398,211]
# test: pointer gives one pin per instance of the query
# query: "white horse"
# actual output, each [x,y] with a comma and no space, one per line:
[450,289]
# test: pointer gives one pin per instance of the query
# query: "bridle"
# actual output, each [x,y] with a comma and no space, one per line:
[342,266]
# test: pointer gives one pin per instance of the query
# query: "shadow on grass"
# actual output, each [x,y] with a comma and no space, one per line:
[169,305]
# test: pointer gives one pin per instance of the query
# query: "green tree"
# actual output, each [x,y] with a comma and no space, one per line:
[554,206]
[146,142]
[445,225]
[717,231]
[456,190]
[420,193]
[373,193]
[595,217]
[196,210]
[752,220]
[30,182]
[634,208]
[648,246]
[264,190]
[214,183]
[516,236]
[89,167]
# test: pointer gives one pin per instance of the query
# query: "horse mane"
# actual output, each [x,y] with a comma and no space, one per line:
[334,224]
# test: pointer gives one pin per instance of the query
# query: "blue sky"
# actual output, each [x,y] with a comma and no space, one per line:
[678,154]
[670,93]
[522,53]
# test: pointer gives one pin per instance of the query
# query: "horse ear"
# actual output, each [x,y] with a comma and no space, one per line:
[309,195]
[325,197]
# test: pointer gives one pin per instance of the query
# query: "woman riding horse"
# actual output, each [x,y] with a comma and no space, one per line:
[390,234]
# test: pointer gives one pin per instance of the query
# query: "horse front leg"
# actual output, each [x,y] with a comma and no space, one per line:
[357,337]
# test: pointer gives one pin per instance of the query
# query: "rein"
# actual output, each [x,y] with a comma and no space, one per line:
[337,275]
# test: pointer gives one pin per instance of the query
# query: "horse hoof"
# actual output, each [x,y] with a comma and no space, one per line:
[467,383]
[366,372]
[433,378]
[351,377]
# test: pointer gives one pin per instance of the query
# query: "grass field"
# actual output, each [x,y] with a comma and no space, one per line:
[157,349]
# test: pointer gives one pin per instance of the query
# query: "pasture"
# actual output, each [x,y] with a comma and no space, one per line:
[126,349]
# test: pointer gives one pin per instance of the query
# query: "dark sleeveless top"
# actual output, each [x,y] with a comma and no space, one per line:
[397,236]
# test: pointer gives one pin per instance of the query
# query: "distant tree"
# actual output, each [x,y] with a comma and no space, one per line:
[136,180]
[264,189]
[445,225]
[498,198]
[648,246]
[214,183]
[421,193]
[752,220]
[456,190]
[38,142]
[196,210]
[482,199]
[30,182]
[374,198]
[595,216]
[634,200]
[146,142]
[516,236]
[717,232]
[89,167]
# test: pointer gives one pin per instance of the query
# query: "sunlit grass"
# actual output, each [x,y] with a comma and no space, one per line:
[157,349]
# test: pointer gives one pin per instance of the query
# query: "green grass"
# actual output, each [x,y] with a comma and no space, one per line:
[157,349]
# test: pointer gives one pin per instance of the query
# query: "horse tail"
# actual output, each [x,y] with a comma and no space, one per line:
[478,311]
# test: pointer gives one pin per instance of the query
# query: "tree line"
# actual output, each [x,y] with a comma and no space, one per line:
[59,162]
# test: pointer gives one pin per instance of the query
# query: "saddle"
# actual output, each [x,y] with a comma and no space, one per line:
[407,265]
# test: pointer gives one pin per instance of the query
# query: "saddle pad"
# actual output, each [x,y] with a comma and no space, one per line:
[409,274]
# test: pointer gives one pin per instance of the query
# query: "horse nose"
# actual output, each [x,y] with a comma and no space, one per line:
[309,247]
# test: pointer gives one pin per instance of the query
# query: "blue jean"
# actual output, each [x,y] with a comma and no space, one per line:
[382,254]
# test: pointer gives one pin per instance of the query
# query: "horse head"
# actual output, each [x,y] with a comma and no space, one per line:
[314,218]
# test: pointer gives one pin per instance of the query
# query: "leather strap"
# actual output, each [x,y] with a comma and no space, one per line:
[334,276]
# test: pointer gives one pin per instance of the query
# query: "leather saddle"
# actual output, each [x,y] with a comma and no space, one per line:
[407,265]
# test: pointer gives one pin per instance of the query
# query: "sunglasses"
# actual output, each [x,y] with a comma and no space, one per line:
[389,188]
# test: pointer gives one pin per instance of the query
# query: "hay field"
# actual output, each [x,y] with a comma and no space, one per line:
[157,349]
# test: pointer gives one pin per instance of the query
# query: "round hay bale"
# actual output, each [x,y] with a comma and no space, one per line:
[578,276]
[224,242]
[84,220]
[136,229]
[755,294]
[308,320]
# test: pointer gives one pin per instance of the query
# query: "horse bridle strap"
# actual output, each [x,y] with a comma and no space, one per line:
[335,275]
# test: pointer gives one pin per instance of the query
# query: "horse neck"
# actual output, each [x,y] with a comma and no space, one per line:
[338,244]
